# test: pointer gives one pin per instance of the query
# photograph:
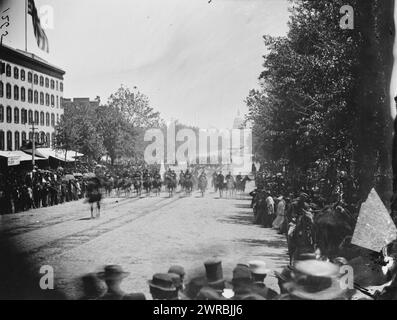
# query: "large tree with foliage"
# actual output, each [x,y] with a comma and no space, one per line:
[317,106]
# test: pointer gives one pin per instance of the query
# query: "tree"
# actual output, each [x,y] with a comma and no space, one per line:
[65,134]
[135,107]
[324,94]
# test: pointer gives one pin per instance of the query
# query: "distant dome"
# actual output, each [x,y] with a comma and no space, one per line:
[238,122]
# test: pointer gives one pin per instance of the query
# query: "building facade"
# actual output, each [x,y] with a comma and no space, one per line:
[31,92]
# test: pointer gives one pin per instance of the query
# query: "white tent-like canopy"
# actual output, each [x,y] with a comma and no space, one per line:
[14,158]
[56,154]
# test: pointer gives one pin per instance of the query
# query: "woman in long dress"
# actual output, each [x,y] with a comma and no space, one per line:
[280,212]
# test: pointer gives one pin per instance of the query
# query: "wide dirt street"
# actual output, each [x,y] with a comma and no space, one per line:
[144,236]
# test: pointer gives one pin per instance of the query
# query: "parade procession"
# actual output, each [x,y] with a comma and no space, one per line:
[198,150]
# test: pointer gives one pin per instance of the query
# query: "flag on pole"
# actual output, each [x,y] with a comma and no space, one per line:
[375,228]
[41,37]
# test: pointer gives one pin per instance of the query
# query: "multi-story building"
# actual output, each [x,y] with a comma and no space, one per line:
[86,102]
[31,91]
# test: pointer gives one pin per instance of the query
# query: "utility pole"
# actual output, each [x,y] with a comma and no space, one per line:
[33,143]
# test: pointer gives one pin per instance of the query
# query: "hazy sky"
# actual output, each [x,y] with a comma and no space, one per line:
[195,60]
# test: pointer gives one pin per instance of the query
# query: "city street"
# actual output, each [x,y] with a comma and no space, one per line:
[144,236]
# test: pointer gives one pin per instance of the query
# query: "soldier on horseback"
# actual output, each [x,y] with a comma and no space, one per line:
[220,183]
[202,182]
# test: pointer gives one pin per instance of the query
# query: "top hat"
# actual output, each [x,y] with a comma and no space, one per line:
[214,273]
[315,280]
[112,272]
[258,267]
[163,282]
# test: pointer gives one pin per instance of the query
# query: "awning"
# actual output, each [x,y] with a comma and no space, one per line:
[14,158]
[56,154]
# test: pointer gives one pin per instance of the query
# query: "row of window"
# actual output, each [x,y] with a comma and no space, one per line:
[28,116]
[33,96]
[6,142]
[35,78]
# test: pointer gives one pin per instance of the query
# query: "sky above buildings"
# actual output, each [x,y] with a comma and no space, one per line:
[195,60]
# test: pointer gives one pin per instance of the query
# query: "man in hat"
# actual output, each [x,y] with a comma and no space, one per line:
[93,287]
[259,272]
[242,281]
[113,275]
[316,280]
[180,271]
[214,274]
[162,287]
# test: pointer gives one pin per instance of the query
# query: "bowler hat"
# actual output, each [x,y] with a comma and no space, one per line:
[112,272]
[179,270]
[162,281]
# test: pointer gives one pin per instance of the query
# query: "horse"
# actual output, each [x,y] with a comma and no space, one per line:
[147,185]
[188,185]
[156,185]
[202,184]
[240,185]
[137,186]
[170,184]
[108,185]
[332,225]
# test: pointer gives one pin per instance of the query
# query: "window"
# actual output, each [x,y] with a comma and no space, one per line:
[9,114]
[47,82]
[16,115]
[36,97]
[9,141]
[16,93]
[47,99]
[30,95]
[61,85]
[52,119]
[57,84]
[23,116]
[47,139]
[42,118]
[41,81]
[1,140]
[23,94]
[17,141]
[23,137]
[52,84]
[41,98]
[57,118]
[30,77]
[47,119]
[8,70]
[42,137]
[16,73]
[52,101]
[36,117]
[1,89]
[35,79]
[36,137]
[57,102]
[1,113]
[8,91]
[53,138]
[30,116]
[23,75]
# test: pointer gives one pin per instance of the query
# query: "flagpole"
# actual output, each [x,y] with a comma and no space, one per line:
[26,25]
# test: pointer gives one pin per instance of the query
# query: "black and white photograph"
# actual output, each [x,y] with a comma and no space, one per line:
[205,150]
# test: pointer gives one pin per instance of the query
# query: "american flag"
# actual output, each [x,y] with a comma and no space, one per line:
[41,37]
